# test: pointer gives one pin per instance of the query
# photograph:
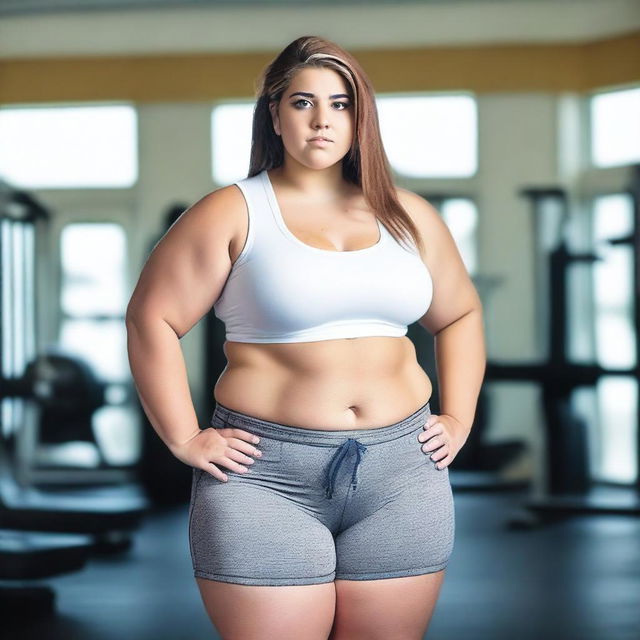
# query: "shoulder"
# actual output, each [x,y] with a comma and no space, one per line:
[211,223]
[454,294]
[431,227]
[420,210]
[223,208]
[224,201]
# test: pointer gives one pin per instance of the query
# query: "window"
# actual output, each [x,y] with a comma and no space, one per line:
[231,141]
[17,310]
[615,128]
[430,136]
[461,216]
[93,296]
[93,303]
[69,147]
[616,444]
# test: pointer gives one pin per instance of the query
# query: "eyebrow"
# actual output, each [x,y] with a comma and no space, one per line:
[310,95]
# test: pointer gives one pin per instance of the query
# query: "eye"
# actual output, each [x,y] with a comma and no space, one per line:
[344,104]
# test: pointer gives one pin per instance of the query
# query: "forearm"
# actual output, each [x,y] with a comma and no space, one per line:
[160,375]
[461,362]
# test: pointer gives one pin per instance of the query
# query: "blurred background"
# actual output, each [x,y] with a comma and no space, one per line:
[519,120]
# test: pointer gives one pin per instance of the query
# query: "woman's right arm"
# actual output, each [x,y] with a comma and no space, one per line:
[178,285]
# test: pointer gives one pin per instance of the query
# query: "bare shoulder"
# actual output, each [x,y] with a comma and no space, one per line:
[218,217]
[421,211]
[454,294]
[222,206]
[428,221]
[188,267]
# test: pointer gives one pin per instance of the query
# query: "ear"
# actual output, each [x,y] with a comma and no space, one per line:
[273,108]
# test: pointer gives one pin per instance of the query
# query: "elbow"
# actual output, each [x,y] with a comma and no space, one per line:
[131,314]
[136,314]
[474,312]
[139,316]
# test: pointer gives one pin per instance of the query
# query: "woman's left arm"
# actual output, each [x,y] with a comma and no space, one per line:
[460,362]
[455,320]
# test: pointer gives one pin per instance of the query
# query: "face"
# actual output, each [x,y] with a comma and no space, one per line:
[327,112]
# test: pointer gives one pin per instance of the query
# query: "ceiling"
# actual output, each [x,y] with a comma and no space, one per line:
[76,28]
[22,7]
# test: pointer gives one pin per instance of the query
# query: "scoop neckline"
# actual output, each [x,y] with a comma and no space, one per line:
[275,206]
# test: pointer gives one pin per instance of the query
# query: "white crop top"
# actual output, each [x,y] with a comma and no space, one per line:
[283,290]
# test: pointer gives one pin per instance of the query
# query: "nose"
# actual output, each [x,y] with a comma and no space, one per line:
[321,118]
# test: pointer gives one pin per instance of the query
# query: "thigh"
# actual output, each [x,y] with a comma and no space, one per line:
[391,609]
[247,532]
[241,612]
[400,521]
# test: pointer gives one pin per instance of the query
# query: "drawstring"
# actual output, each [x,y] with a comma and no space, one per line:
[336,461]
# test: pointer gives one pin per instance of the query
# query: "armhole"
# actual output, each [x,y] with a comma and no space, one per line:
[248,243]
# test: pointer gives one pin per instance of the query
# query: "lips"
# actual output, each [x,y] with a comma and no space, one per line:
[320,138]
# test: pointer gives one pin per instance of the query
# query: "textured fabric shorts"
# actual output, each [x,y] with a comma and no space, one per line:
[361,504]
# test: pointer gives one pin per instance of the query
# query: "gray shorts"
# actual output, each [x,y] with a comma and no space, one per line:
[361,504]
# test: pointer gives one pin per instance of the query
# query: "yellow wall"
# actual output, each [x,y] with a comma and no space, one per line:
[159,78]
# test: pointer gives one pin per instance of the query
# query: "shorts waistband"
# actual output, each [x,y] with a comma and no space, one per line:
[225,417]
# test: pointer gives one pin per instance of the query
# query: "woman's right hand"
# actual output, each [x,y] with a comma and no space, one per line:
[210,447]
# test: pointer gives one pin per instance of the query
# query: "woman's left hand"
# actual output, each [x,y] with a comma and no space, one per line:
[446,434]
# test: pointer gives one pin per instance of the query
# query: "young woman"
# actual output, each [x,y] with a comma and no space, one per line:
[340,522]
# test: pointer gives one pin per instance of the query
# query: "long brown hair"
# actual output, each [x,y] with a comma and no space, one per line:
[366,163]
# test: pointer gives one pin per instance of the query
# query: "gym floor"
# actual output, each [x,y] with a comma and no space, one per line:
[578,579]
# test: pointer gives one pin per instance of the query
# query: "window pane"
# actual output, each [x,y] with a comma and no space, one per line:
[101,343]
[231,141]
[93,269]
[617,443]
[461,217]
[430,136]
[613,282]
[69,147]
[615,128]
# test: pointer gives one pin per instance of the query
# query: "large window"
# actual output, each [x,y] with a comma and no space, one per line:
[613,295]
[430,136]
[69,147]
[231,141]
[93,296]
[461,217]
[93,303]
[615,128]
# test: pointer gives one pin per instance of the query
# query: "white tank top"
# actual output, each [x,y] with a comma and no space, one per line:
[283,290]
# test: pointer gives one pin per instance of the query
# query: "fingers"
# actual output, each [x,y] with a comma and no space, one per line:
[237,445]
[230,463]
[236,455]
[215,472]
[245,435]
[443,462]
[431,428]
[435,437]
[240,434]
[239,459]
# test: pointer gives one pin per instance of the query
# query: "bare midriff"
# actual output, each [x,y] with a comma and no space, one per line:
[352,383]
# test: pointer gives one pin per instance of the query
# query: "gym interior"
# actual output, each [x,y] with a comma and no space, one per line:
[519,120]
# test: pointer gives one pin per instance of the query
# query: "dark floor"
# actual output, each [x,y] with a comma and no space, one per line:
[574,580]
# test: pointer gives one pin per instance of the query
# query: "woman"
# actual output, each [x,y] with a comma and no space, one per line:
[341,522]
